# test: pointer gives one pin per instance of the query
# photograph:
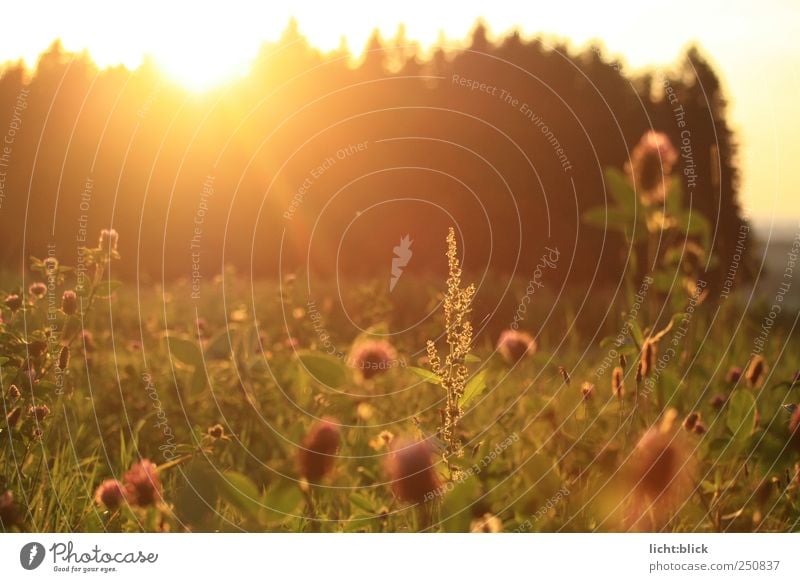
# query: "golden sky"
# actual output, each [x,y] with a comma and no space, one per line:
[754,45]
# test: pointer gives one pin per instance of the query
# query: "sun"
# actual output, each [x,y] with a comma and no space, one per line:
[203,67]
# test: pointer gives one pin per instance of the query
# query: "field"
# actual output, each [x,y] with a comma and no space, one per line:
[253,406]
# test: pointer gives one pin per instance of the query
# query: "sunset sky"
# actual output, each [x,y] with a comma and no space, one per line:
[753,44]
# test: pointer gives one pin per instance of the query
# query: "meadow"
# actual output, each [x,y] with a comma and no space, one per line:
[125,411]
[300,405]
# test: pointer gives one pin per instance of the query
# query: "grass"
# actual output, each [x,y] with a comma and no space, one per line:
[537,456]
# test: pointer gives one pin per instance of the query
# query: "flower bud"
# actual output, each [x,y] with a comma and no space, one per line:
[411,470]
[317,453]
[38,289]
[617,384]
[690,421]
[216,432]
[13,393]
[373,357]
[648,359]
[514,345]
[756,371]
[63,358]
[142,484]
[9,514]
[13,417]
[110,493]
[69,302]
[39,412]
[13,302]
[733,375]
[108,240]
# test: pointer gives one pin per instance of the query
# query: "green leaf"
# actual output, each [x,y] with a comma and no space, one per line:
[362,502]
[196,497]
[219,346]
[456,507]
[636,333]
[426,375]
[241,492]
[72,327]
[474,387]
[694,223]
[106,288]
[186,351]
[610,219]
[741,418]
[323,368]
[199,380]
[280,503]
[46,385]
[621,191]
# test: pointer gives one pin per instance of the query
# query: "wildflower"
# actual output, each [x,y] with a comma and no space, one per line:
[733,375]
[691,420]
[142,485]
[700,428]
[648,358]
[587,390]
[39,412]
[384,439]
[13,393]
[69,302]
[216,432]
[38,289]
[317,453]
[660,467]
[239,315]
[718,401]
[365,411]
[88,341]
[756,371]
[651,164]
[373,357]
[13,417]
[9,515]
[489,523]
[13,302]
[50,265]
[110,493]
[108,240]
[410,468]
[63,358]
[514,345]
[794,427]
[617,384]
[37,348]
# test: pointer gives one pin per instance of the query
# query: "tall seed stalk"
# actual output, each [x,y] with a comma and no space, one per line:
[452,372]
